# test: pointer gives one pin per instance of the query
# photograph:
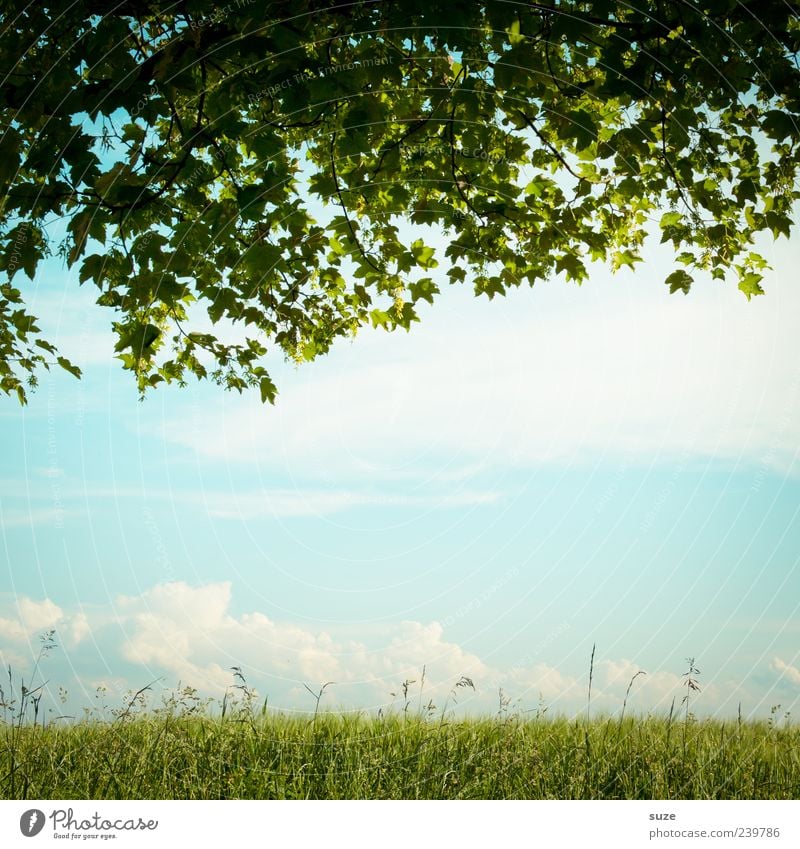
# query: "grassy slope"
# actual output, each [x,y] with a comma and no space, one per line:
[397,757]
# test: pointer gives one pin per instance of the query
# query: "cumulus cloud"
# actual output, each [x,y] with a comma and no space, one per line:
[190,634]
[32,617]
[786,670]
[26,619]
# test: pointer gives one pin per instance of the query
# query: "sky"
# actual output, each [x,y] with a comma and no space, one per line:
[488,496]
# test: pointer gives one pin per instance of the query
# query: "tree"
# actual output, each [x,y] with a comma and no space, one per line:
[252,165]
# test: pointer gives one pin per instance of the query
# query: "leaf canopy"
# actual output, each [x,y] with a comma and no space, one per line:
[258,166]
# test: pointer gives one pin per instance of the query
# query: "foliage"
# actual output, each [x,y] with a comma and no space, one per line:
[179,157]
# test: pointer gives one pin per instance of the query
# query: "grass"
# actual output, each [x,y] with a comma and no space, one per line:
[402,756]
[189,748]
[340,756]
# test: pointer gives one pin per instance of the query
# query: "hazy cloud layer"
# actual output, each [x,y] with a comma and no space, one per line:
[189,634]
[555,375]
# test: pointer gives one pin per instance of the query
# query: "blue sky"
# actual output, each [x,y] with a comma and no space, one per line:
[487,496]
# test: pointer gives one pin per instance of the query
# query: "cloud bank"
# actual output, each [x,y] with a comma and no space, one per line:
[189,634]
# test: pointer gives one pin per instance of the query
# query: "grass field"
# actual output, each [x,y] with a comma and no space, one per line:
[338,756]
[193,748]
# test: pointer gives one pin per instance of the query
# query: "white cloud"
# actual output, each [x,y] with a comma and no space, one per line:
[26,620]
[289,503]
[791,673]
[189,634]
[14,517]
[243,505]
[77,628]
[31,617]
[11,629]
[73,322]
[542,679]
[14,659]
[38,616]
[653,688]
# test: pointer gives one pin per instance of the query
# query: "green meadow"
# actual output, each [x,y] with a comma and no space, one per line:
[261,755]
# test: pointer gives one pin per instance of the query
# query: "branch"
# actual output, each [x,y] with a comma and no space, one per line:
[416,126]
[456,179]
[677,180]
[350,227]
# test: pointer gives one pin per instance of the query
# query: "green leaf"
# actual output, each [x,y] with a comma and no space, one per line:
[423,289]
[746,190]
[423,254]
[670,219]
[138,337]
[380,318]
[337,247]
[489,286]
[580,127]
[268,390]
[750,284]
[780,125]
[780,225]
[93,268]
[679,281]
[514,36]
[574,267]
[68,366]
